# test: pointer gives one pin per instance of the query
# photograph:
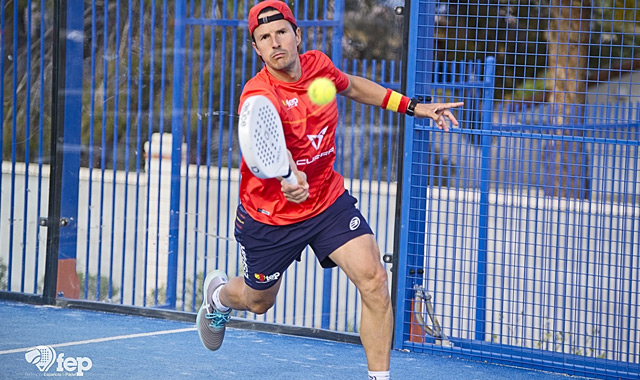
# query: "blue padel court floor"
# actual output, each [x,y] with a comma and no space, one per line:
[43,341]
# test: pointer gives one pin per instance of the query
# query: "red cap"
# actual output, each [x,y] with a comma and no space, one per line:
[280,6]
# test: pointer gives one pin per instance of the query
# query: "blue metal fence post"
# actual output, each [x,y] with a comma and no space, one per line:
[68,281]
[336,57]
[336,44]
[411,199]
[177,125]
[485,183]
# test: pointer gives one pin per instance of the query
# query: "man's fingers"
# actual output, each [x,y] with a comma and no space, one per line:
[450,116]
[296,193]
[297,196]
[442,124]
[451,105]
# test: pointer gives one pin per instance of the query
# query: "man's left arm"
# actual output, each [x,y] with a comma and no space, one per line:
[365,91]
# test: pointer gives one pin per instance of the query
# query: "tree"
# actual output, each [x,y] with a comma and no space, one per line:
[372,31]
[568,39]
[510,31]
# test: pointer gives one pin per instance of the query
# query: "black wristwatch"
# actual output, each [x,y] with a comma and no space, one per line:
[411,108]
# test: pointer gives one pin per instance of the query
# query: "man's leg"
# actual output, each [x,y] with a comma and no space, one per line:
[266,252]
[360,260]
[222,295]
[237,295]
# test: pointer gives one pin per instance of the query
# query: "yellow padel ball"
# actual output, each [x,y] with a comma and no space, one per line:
[321,91]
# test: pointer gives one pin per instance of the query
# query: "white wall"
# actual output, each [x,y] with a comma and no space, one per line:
[121,236]
[552,264]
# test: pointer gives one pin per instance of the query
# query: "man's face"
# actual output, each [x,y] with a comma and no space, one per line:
[277,43]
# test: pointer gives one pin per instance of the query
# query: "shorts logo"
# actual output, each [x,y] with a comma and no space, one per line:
[263,279]
[354,223]
[243,256]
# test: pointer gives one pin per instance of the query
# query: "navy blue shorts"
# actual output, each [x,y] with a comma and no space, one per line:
[267,251]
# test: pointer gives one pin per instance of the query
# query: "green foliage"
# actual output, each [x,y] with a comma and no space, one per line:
[616,33]
[130,93]
[551,340]
[183,303]
[532,88]
[515,32]
[23,133]
[156,293]
[92,286]
[372,31]
[3,274]
[512,33]
[617,16]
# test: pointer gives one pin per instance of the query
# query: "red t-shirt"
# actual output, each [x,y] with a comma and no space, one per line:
[310,135]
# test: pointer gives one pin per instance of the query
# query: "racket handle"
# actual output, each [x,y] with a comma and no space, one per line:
[291,178]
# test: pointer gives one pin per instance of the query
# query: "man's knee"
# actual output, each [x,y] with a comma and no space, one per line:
[259,306]
[376,284]
[259,302]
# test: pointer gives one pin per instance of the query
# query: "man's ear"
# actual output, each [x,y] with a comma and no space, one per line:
[255,48]
[298,36]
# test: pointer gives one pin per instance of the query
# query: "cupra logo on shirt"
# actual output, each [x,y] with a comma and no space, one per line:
[316,140]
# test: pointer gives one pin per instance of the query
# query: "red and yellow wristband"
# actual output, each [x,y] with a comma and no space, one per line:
[396,102]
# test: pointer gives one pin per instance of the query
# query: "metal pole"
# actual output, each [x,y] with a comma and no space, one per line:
[485,187]
[57,139]
[177,126]
[404,12]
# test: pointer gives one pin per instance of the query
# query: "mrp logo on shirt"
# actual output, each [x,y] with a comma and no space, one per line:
[43,357]
[291,103]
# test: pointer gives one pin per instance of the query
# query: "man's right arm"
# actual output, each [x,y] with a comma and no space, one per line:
[365,91]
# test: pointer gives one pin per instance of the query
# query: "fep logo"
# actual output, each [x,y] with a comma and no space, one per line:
[43,358]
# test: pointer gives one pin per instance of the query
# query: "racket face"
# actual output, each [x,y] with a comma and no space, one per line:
[262,139]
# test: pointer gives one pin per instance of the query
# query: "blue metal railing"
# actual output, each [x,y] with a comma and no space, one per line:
[519,228]
[119,218]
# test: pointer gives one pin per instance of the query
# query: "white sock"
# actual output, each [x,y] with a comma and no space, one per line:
[378,375]
[215,297]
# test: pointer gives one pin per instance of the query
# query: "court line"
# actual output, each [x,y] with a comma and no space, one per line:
[100,340]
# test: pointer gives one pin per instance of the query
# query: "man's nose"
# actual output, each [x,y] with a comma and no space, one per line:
[275,41]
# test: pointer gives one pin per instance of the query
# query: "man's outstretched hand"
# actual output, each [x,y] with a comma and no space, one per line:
[438,112]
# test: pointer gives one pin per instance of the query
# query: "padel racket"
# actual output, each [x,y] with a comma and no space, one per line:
[262,140]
